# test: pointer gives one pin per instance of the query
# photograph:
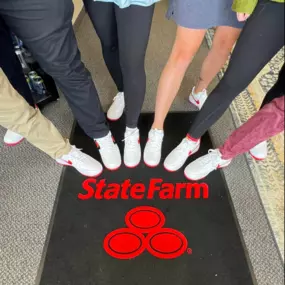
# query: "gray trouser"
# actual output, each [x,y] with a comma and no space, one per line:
[45,27]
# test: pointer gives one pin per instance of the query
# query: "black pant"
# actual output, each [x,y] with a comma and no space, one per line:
[277,90]
[124,35]
[11,65]
[45,27]
[262,37]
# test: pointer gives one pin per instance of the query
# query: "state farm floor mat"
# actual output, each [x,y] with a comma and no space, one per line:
[144,226]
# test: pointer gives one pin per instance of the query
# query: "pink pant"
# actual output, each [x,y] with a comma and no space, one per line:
[266,123]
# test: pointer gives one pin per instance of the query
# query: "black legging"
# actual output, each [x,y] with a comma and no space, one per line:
[11,65]
[277,90]
[124,35]
[262,37]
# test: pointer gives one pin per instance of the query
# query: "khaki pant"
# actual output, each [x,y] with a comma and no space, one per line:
[16,115]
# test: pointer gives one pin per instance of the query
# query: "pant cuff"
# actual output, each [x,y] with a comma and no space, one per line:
[101,134]
[63,151]
[225,156]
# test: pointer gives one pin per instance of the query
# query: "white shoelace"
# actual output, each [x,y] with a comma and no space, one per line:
[106,142]
[131,140]
[79,156]
[155,140]
[211,159]
[184,146]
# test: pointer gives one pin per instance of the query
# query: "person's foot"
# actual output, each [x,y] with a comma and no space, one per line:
[117,108]
[109,152]
[204,165]
[259,152]
[198,99]
[82,162]
[11,138]
[152,151]
[132,150]
[176,159]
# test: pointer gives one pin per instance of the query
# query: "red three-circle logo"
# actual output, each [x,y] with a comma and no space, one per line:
[145,232]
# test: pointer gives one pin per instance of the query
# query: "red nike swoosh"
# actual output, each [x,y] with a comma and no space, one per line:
[197,101]
[68,162]
[98,146]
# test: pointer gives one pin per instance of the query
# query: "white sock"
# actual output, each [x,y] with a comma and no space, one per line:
[158,130]
[131,129]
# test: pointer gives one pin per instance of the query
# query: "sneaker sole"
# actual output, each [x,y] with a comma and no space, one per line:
[14,144]
[171,171]
[113,169]
[94,176]
[194,151]
[132,166]
[257,158]
[114,120]
[151,166]
[191,179]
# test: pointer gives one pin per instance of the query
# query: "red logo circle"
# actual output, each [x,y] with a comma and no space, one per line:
[124,243]
[166,243]
[145,219]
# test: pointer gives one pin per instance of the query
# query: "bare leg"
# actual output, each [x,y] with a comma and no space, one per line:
[224,40]
[186,44]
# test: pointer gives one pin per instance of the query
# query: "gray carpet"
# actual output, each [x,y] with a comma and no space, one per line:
[29,179]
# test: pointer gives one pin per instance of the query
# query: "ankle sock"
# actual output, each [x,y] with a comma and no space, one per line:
[191,138]
[131,129]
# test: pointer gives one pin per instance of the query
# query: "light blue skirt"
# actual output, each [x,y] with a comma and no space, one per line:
[127,3]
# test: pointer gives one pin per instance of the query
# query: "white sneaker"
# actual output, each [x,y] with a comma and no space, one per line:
[152,151]
[117,108]
[176,159]
[12,138]
[198,99]
[132,150]
[202,166]
[259,152]
[109,152]
[82,162]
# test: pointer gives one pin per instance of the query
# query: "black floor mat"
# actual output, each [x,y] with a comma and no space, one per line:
[184,237]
